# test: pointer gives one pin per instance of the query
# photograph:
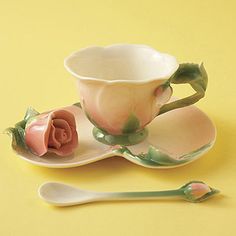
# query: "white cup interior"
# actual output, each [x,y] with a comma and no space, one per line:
[121,62]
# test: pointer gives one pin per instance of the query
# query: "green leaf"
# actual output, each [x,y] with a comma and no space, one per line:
[18,136]
[18,132]
[21,124]
[31,112]
[78,104]
[194,75]
[131,125]
[159,157]
[155,157]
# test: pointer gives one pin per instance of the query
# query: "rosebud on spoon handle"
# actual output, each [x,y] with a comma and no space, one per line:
[65,195]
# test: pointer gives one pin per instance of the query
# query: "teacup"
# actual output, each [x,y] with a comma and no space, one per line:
[123,87]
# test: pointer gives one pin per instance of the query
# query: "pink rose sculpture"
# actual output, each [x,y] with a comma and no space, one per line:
[49,132]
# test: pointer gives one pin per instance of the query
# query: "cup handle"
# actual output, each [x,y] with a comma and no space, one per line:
[192,74]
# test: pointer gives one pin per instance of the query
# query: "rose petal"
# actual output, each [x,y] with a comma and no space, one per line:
[64,115]
[199,189]
[62,125]
[52,141]
[68,148]
[37,134]
[61,136]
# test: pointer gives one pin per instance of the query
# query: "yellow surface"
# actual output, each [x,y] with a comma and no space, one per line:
[35,37]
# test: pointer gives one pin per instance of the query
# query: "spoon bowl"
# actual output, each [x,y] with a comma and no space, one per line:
[59,194]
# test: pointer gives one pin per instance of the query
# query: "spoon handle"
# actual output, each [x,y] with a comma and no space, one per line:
[113,196]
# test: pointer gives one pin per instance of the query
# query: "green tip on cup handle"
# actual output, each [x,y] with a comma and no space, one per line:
[192,74]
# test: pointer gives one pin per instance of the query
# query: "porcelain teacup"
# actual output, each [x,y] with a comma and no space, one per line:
[123,87]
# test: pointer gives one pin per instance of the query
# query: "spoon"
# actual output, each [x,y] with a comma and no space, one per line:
[60,194]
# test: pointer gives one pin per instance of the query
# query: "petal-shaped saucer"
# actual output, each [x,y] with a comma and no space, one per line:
[175,138]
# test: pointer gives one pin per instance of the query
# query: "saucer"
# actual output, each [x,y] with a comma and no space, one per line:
[175,138]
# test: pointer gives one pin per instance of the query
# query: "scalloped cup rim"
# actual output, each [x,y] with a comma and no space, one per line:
[75,54]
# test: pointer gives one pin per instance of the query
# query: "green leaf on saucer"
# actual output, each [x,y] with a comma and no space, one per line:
[31,112]
[21,124]
[17,133]
[78,104]
[155,157]
[159,157]
[18,136]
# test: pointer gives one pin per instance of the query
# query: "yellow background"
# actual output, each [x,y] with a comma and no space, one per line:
[35,37]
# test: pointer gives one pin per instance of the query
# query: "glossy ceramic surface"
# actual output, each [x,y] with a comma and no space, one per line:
[175,138]
[60,194]
[123,87]
[122,79]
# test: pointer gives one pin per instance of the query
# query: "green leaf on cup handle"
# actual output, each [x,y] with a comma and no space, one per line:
[192,74]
